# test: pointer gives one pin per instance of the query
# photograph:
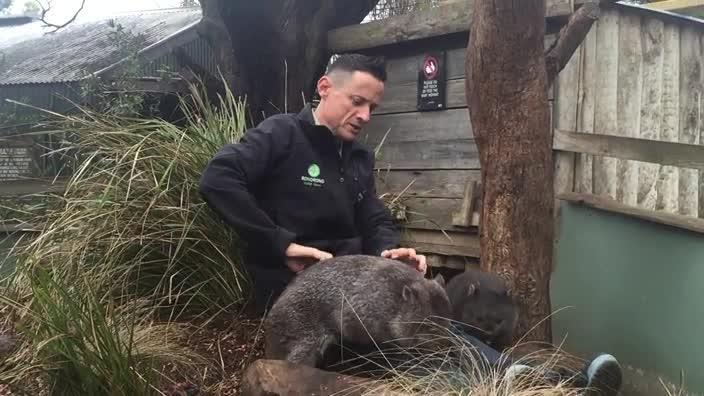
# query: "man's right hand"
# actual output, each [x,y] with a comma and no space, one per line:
[298,257]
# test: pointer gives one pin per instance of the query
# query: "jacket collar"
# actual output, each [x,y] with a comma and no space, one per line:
[321,134]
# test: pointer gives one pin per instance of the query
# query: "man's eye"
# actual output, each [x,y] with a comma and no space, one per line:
[357,101]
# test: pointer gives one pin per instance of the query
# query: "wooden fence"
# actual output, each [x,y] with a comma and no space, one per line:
[638,75]
[651,152]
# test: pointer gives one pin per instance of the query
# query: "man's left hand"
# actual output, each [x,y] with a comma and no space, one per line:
[407,255]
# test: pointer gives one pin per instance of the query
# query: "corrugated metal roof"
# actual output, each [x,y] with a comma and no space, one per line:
[30,55]
[650,9]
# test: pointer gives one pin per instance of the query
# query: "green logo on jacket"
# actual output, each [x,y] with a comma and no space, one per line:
[312,179]
[314,170]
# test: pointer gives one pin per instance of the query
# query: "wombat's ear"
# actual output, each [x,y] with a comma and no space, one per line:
[471,289]
[440,280]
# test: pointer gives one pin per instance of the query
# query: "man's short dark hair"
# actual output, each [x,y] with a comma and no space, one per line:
[374,65]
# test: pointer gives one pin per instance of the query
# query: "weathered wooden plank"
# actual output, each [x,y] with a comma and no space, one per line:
[607,94]
[449,243]
[403,68]
[426,183]
[449,18]
[10,188]
[668,178]
[429,154]
[453,262]
[463,217]
[629,95]
[690,117]
[402,97]
[701,141]
[433,213]
[565,117]
[646,150]
[604,203]
[436,21]
[585,107]
[449,250]
[417,126]
[651,105]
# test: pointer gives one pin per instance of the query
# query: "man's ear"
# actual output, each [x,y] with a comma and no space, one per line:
[324,86]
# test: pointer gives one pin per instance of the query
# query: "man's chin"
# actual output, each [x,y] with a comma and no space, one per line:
[347,136]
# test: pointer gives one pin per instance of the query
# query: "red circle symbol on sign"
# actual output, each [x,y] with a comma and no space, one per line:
[430,67]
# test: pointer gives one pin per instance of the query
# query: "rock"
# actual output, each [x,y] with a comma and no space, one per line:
[277,377]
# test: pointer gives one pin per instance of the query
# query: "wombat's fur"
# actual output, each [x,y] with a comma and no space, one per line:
[482,303]
[324,304]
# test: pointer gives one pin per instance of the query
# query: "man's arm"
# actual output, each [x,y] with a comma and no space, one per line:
[225,182]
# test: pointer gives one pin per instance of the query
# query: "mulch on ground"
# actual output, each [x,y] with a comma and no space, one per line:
[232,344]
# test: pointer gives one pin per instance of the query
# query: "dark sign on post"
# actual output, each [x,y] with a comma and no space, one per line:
[431,82]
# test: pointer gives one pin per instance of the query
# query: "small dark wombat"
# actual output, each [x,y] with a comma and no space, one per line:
[481,302]
[359,299]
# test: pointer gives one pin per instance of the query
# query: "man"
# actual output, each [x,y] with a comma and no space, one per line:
[298,189]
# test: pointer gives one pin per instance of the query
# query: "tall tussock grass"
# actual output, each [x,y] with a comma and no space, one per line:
[446,363]
[131,216]
[76,342]
[126,252]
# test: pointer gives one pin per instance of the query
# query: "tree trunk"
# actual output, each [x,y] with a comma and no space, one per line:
[506,88]
[273,51]
[508,103]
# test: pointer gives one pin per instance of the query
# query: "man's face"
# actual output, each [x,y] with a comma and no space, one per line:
[347,101]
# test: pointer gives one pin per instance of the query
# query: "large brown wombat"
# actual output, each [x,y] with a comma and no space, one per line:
[482,303]
[358,299]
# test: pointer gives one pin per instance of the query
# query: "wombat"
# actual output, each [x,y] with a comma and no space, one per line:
[482,303]
[358,299]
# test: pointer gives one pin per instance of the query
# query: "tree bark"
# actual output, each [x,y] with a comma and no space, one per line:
[274,50]
[508,75]
[506,90]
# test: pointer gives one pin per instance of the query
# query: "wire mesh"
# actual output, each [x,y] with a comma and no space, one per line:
[388,8]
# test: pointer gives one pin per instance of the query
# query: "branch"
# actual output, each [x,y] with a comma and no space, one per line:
[46,9]
[570,37]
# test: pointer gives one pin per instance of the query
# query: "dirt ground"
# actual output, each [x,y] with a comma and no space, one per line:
[233,344]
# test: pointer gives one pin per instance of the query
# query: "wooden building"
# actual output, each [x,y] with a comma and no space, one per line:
[49,71]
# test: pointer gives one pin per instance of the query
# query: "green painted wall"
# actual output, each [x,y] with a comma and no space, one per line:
[632,288]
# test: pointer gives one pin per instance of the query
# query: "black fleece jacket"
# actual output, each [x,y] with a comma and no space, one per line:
[289,180]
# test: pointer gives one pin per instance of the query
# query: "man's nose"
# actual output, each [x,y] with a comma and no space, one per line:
[364,114]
